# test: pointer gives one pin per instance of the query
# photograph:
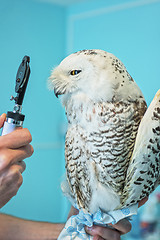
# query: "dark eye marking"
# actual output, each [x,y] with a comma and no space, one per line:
[75,72]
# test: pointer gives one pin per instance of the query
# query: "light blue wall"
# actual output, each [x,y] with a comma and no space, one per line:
[128,29]
[37,30]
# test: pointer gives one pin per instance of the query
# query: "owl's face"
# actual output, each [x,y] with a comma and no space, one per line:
[71,75]
[95,73]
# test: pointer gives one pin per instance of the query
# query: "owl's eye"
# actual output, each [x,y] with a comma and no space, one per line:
[75,72]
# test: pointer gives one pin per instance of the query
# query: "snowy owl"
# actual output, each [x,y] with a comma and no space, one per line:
[112,147]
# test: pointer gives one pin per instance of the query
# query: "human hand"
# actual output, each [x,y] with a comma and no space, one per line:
[114,233]
[14,148]
[107,233]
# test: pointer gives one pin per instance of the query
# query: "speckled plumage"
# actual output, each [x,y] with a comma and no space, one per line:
[143,173]
[104,107]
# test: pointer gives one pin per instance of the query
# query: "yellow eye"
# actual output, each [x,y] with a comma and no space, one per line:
[75,72]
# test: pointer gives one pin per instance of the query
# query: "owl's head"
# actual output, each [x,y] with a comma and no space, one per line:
[96,74]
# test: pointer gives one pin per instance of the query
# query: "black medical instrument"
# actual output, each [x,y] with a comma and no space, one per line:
[15,118]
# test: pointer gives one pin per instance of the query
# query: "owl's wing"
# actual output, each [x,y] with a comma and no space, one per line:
[143,173]
[76,168]
[113,143]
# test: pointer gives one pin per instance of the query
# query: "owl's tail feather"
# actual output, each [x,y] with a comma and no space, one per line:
[81,200]
[143,174]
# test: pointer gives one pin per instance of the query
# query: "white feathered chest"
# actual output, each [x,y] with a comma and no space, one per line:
[99,144]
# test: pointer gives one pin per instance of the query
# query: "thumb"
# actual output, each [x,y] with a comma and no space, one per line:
[2,119]
[143,201]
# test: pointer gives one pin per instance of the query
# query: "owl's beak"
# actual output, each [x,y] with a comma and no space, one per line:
[57,92]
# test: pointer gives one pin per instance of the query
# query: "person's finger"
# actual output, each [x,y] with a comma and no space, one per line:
[2,119]
[143,201]
[7,196]
[22,166]
[13,178]
[103,232]
[98,238]
[12,156]
[123,226]
[10,183]
[16,139]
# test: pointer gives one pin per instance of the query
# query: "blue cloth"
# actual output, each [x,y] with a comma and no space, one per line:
[74,228]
